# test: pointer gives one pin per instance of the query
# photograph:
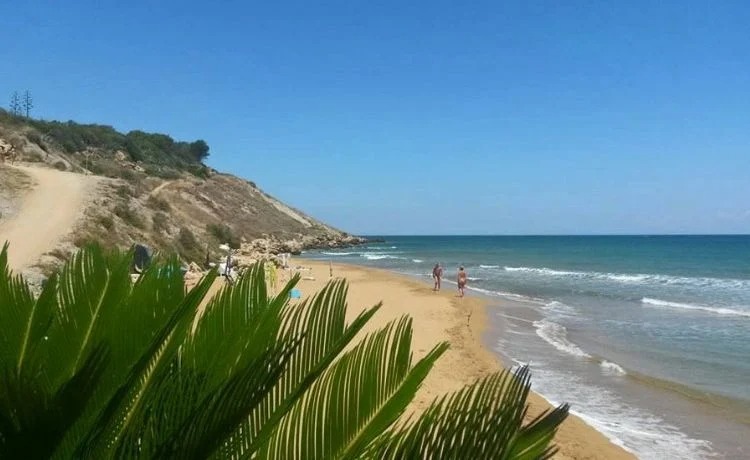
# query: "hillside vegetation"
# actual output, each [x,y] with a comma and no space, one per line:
[160,193]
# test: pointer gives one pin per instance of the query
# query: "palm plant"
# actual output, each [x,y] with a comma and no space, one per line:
[98,367]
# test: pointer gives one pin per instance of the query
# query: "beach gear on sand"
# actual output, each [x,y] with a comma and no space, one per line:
[295,294]
[141,258]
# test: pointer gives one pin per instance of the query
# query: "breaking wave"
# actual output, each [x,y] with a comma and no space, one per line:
[556,335]
[638,278]
[702,308]
[608,367]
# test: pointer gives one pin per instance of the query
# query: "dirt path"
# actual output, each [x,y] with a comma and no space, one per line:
[47,213]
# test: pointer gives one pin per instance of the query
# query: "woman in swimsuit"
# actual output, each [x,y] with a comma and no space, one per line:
[461,281]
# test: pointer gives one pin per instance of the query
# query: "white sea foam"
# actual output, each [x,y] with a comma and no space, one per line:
[702,308]
[638,278]
[636,429]
[378,256]
[417,261]
[339,253]
[507,295]
[556,335]
[608,367]
[560,308]
[489,266]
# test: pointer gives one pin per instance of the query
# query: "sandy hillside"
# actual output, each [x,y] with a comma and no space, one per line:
[46,213]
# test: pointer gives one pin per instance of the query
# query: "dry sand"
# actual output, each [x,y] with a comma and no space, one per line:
[47,213]
[444,317]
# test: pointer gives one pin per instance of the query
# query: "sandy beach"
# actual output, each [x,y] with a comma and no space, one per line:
[444,317]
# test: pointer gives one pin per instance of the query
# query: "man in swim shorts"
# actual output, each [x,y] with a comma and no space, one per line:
[437,273]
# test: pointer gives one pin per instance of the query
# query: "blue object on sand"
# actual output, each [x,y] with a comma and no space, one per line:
[295,294]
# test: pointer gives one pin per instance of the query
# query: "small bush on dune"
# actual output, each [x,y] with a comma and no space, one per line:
[128,175]
[159,204]
[160,222]
[125,191]
[224,234]
[187,240]
[98,367]
[129,215]
[36,138]
[33,157]
[188,246]
[106,221]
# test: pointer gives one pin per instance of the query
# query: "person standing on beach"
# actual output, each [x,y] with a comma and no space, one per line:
[461,280]
[437,274]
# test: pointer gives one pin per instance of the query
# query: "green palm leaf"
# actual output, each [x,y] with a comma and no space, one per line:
[219,413]
[320,323]
[360,396]
[484,420]
[125,409]
[24,320]
[33,421]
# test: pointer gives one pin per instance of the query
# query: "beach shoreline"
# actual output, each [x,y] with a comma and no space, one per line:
[442,316]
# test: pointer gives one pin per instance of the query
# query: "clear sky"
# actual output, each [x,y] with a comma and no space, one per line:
[423,117]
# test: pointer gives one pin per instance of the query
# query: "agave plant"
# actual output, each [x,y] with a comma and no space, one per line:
[96,366]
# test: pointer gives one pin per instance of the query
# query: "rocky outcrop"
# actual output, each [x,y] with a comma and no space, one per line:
[272,248]
[273,245]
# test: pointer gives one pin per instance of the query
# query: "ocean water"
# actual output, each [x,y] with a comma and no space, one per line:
[648,337]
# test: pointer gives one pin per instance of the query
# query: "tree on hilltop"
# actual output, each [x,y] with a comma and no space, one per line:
[199,150]
[15,104]
[28,103]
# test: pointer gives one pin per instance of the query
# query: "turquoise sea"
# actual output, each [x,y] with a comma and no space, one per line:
[648,337]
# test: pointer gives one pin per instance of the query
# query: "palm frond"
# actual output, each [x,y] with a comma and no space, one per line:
[34,421]
[227,365]
[219,413]
[353,402]
[240,321]
[126,407]
[90,292]
[320,325]
[24,320]
[483,420]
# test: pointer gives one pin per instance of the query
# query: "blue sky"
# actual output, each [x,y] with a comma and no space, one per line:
[423,117]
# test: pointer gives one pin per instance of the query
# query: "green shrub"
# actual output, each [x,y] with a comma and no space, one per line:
[106,221]
[33,157]
[188,246]
[124,191]
[163,172]
[199,171]
[146,375]
[128,175]
[224,234]
[159,204]
[187,239]
[103,167]
[128,215]
[160,222]
[36,138]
